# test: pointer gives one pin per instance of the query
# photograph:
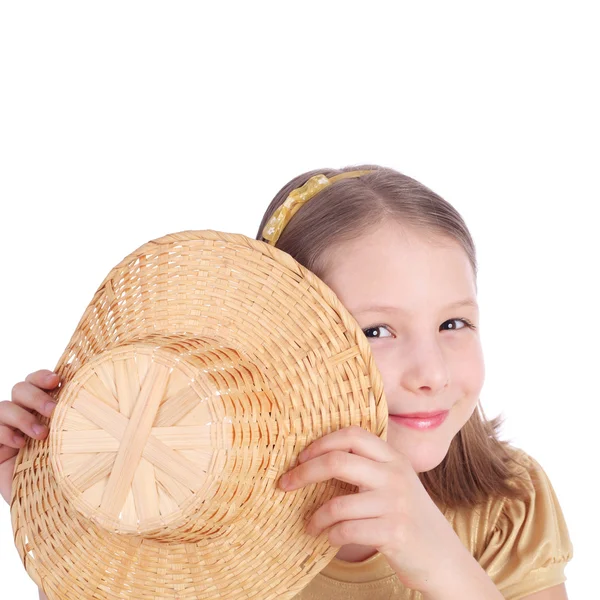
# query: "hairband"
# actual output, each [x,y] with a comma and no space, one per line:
[296,199]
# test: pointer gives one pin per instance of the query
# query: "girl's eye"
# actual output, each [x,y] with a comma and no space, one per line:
[452,324]
[375,329]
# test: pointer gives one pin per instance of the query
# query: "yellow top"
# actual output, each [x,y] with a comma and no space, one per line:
[523,547]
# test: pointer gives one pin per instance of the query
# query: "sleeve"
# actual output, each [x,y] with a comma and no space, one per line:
[528,546]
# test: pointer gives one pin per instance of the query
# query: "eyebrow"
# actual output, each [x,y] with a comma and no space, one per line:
[395,309]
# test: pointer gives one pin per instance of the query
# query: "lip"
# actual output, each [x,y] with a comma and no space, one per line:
[422,421]
[421,415]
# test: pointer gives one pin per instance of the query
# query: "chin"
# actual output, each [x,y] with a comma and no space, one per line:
[422,465]
[425,457]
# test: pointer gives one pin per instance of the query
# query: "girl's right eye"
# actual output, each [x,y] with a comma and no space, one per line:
[377,335]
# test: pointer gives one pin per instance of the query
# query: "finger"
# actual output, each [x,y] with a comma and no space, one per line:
[47,380]
[10,437]
[365,505]
[340,465]
[352,439]
[7,452]
[366,532]
[29,396]
[17,417]
[7,469]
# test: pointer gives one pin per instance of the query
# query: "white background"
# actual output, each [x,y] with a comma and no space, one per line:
[122,122]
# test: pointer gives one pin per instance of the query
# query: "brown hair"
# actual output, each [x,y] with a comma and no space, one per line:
[478,464]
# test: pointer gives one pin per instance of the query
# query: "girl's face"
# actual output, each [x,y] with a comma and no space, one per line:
[429,357]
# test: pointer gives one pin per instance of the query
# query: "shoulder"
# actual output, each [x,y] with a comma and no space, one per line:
[539,500]
[527,544]
[538,513]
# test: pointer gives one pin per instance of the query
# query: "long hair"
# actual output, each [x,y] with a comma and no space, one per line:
[478,464]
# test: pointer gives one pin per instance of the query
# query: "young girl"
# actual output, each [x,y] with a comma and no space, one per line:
[445,510]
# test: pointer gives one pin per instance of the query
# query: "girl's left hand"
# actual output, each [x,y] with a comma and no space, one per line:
[392,511]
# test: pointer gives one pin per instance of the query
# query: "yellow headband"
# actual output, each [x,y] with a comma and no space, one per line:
[297,198]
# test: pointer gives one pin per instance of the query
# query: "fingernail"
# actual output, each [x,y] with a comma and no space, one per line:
[50,406]
[38,429]
[284,481]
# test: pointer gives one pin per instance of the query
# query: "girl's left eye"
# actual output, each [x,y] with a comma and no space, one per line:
[453,327]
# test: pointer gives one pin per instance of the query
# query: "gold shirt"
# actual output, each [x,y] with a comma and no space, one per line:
[522,545]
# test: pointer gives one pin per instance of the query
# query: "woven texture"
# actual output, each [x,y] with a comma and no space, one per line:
[203,365]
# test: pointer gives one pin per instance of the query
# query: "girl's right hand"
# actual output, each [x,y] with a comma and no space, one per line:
[18,419]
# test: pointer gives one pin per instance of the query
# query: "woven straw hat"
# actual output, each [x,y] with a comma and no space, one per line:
[203,365]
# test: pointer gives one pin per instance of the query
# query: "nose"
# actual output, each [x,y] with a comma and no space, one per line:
[424,368]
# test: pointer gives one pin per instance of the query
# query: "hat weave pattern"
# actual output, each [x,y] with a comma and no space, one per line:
[203,365]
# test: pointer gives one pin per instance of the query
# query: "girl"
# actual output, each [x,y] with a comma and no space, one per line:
[445,509]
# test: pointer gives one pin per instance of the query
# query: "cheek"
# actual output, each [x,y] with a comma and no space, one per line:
[468,373]
[387,364]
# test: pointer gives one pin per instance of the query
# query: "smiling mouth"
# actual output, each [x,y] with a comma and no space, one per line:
[420,415]
[432,421]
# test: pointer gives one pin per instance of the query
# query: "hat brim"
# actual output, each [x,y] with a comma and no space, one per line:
[269,307]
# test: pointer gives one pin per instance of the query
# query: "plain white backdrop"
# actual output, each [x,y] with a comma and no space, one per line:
[122,122]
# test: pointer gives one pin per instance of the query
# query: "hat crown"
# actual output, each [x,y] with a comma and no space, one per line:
[237,330]
[143,438]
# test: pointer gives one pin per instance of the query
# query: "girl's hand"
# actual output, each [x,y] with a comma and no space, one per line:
[18,419]
[392,512]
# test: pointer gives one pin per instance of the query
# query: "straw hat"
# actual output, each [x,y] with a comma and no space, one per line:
[203,365]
